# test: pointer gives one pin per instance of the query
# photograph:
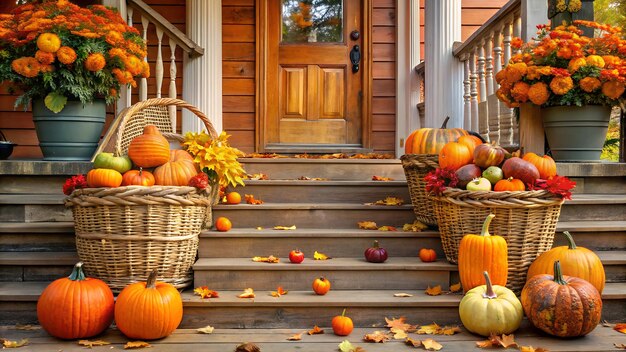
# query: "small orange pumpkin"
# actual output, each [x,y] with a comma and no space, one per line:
[138,178]
[149,149]
[321,286]
[509,184]
[104,178]
[177,171]
[342,325]
[545,164]
[453,155]
[427,255]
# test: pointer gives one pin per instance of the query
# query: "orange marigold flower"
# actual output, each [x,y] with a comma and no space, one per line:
[113,37]
[26,66]
[66,55]
[589,84]
[613,89]
[560,85]
[520,92]
[559,72]
[113,92]
[501,76]
[538,93]
[575,64]
[133,65]
[44,58]
[517,42]
[48,42]
[145,72]
[595,60]
[610,60]
[46,68]
[95,62]
[564,53]
[515,71]
[117,52]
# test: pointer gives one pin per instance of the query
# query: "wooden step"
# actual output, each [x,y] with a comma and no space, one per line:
[344,273]
[596,235]
[614,263]
[610,207]
[21,184]
[37,237]
[36,266]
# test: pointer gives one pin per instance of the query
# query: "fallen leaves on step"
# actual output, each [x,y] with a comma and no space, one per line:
[259,176]
[415,343]
[264,155]
[295,337]
[90,344]
[503,340]
[620,327]
[286,228]
[26,327]
[455,288]
[399,323]
[367,225]
[205,292]
[306,178]
[320,256]
[381,178]
[250,199]
[247,347]
[416,226]
[347,346]
[344,156]
[206,330]
[388,201]
[431,345]
[436,329]
[377,336]
[387,228]
[315,331]
[620,346]
[532,349]
[434,291]
[279,292]
[402,294]
[13,344]
[247,293]
[136,344]
[271,259]
[398,334]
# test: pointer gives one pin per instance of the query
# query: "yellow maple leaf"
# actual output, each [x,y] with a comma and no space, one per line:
[391,201]
[450,330]
[136,344]
[315,331]
[455,287]
[399,334]
[377,336]
[292,227]
[320,256]
[415,343]
[416,226]
[90,344]
[428,329]
[206,330]
[387,228]
[367,225]
[433,291]
[431,345]
[295,337]
[247,293]
[205,292]
[271,259]
[13,344]
[399,323]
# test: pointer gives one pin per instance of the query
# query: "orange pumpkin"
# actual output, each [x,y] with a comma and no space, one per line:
[138,178]
[453,155]
[177,171]
[75,307]
[149,149]
[480,253]
[470,141]
[148,310]
[321,286]
[545,164]
[427,255]
[575,261]
[431,140]
[342,325]
[509,184]
[104,178]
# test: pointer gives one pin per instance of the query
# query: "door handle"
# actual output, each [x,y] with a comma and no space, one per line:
[355,58]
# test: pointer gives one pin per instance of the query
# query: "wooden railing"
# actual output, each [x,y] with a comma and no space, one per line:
[483,54]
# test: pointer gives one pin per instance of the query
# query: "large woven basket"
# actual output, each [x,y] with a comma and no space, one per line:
[416,166]
[123,233]
[526,219]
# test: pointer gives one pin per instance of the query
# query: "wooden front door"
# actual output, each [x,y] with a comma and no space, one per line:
[314,92]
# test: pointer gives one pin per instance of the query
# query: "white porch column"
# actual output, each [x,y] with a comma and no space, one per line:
[407,84]
[444,72]
[202,83]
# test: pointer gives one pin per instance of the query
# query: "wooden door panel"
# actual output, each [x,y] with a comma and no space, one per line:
[329,132]
[293,86]
[332,93]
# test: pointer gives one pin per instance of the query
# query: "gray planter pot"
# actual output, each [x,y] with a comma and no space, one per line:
[71,134]
[576,133]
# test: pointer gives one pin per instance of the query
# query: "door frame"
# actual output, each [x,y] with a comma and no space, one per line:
[261,91]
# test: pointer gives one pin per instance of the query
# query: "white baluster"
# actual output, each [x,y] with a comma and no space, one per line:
[517,29]
[482,84]
[172,91]
[467,104]
[489,64]
[143,84]
[158,74]
[506,41]
[497,56]
[129,90]
[473,91]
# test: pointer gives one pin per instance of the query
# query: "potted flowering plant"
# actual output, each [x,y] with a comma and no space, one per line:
[64,59]
[570,76]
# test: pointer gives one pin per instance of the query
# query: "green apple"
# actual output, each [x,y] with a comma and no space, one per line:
[479,184]
[493,174]
[120,164]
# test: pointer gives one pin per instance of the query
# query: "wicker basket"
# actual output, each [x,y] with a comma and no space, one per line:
[416,166]
[123,233]
[526,219]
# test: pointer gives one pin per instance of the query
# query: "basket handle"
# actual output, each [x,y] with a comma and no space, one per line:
[130,111]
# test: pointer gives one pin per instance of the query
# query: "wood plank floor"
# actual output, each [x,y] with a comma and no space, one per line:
[275,340]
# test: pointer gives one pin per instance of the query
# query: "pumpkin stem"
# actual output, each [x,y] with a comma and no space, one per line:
[77,273]
[151,282]
[445,122]
[485,230]
[558,275]
[489,293]
[570,240]
[140,170]
[343,314]
[376,245]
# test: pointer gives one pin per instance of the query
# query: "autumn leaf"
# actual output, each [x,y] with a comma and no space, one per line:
[90,344]
[388,201]
[507,340]
[377,336]
[399,323]
[271,259]
[431,345]
[264,155]
[259,176]
[247,293]
[292,227]
[416,226]
[450,330]
[402,294]
[14,344]
[206,330]
[26,327]
[381,178]
[295,337]
[367,225]
[136,344]
[532,349]
[315,331]
[347,346]
[250,200]
[428,329]
[415,343]
[204,292]
[279,292]
[484,344]
[387,228]
[433,291]
[620,327]
[455,287]
[399,334]
[247,347]
[305,178]
[320,256]
[620,346]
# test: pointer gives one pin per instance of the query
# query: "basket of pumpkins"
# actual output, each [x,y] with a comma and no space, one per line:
[143,205]
[523,192]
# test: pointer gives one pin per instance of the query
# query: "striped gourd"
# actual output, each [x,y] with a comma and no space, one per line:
[431,140]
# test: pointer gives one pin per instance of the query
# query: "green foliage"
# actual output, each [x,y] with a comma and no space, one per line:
[612,12]
[610,152]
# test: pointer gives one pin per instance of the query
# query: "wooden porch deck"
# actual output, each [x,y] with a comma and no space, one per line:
[275,340]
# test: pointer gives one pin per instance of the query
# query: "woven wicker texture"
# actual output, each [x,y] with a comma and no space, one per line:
[527,221]
[416,166]
[123,233]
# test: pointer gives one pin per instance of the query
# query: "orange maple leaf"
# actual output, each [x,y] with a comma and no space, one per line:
[315,331]
[377,336]
[367,225]
[507,341]
[136,344]
[399,323]
[428,329]
[279,292]
[387,228]
[620,327]
[415,343]
[250,199]
[271,259]
[205,292]
[433,291]
[259,176]
[381,178]
[295,337]
[532,349]
[455,287]
[247,293]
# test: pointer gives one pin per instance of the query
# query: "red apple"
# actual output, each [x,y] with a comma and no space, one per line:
[296,257]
